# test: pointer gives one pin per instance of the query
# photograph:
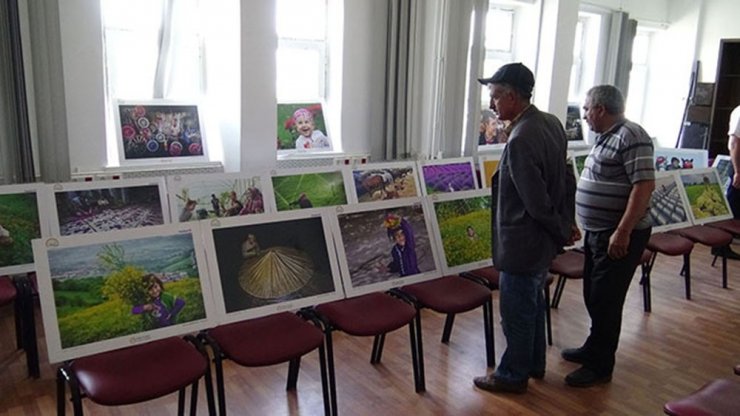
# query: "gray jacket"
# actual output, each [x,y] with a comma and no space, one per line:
[533,194]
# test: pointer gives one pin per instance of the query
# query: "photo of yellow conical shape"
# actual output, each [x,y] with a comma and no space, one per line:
[275,272]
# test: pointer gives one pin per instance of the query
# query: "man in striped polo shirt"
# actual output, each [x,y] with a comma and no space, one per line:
[612,201]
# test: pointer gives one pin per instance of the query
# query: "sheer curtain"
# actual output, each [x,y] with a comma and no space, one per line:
[16,156]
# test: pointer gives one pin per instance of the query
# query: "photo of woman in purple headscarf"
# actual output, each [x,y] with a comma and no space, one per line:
[403,251]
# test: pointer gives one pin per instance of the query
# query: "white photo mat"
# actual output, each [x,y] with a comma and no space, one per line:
[89,211]
[705,196]
[447,175]
[135,243]
[362,276]
[200,188]
[723,164]
[16,252]
[464,237]
[375,182]
[315,187]
[229,255]
[669,208]
[677,159]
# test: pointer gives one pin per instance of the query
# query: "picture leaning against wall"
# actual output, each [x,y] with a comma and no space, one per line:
[22,219]
[301,127]
[705,195]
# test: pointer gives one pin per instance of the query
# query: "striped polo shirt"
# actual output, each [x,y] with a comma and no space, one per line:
[620,157]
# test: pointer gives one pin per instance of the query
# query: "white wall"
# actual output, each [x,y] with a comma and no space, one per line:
[644,10]
[719,20]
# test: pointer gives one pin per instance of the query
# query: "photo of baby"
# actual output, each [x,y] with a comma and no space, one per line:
[301,127]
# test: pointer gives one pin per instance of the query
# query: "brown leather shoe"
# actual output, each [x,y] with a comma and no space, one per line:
[489,383]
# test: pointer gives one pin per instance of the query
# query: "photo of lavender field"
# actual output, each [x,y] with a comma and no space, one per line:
[451,177]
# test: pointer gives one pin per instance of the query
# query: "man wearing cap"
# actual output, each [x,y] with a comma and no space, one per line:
[533,219]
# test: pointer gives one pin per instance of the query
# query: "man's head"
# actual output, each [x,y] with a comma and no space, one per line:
[603,107]
[510,88]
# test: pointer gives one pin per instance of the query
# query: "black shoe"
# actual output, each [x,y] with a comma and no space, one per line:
[539,375]
[727,251]
[585,377]
[574,355]
[489,383]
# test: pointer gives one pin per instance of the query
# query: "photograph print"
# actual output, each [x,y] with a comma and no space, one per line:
[383,245]
[159,130]
[308,188]
[488,166]
[99,292]
[20,222]
[93,207]
[580,157]
[667,208]
[447,175]
[272,262]
[200,197]
[667,159]
[723,164]
[705,195]
[301,127]
[383,181]
[464,225]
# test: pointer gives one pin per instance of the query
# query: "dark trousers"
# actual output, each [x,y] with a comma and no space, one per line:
[733,196]
[605,284]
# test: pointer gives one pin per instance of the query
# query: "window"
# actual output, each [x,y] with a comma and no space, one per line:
[302,59]
[499,40]
[638,75]
[583,72]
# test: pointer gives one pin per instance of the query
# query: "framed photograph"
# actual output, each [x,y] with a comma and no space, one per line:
[676,159]
[99,206]
[200,197]
[579,158]
[706,198]
[447,175]
[725,170]
[381,181]
[383,245]
[302,127]
[23,217]
[268,263]
[488,164]
[492,130]
[461,225]
[574,122]
[668,207]
[156,131]
[309,188]
[112,290]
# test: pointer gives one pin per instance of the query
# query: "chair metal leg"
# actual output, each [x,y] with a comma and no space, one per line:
[647,268]
[325,388]
[18,317]
[181,402]
[724,269]
[548,317]
[447,331]
[293,367]
[26,322]
[417,352]
[61,400]
[74,388]
[330,369]
[559,287]
[377,353]
[686,271]
[193,397]
[488,333]
[217,360]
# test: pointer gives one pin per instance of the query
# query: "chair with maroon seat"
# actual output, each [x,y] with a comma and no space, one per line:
[138,374]
[451,295]
[670,245]
[270,340]
[489,276]
[19,292]
[708,236]
[374,314]
[718,397]
[731,226]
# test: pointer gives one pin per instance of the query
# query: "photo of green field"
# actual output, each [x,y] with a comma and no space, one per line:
[465,229]
[104,291]
[19,224]
[705,195]
[309,190]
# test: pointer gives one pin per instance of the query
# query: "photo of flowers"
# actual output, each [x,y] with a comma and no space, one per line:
[301,126]
[385,244]
[705,195]
[309,188]
[382,181]
[159,130]
[447,175]
[20,222]
[199,197]
[93,207]
[463,222]
[107,291]
[667,208]
[271,262]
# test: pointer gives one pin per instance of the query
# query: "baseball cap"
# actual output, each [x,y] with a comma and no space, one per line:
[515,74]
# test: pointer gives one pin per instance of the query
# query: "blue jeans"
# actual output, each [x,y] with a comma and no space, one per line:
[522,305]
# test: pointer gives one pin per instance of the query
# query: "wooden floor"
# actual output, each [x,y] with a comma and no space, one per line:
[662,355]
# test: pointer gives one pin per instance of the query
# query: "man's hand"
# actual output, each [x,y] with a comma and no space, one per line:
[575,235]
[618,244]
